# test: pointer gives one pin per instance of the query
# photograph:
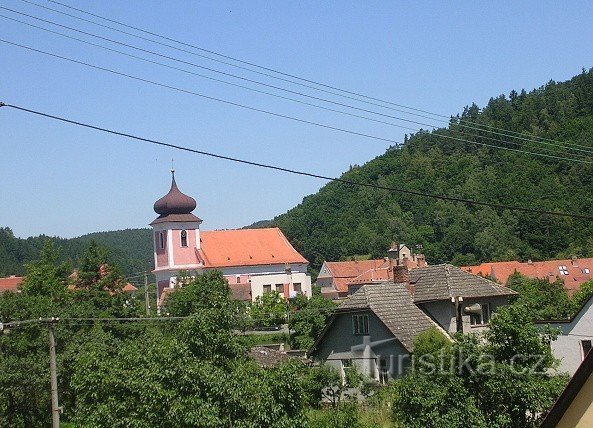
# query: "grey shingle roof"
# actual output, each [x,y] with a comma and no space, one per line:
[441,282]
[393,305]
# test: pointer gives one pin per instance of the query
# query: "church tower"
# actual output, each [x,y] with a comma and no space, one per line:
[176,238]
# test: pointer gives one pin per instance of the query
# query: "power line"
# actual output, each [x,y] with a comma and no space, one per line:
[334,128]
[588,150]
[301,173]
[480,126]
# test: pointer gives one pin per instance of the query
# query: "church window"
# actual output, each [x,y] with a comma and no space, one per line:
[184,238]
[161,240]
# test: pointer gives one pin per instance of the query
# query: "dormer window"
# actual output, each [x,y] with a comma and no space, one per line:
[184,238]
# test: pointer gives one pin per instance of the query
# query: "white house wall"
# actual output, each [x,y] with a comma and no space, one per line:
[567,347]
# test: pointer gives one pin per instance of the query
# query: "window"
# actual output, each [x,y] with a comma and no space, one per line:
[585,348]
[483,317]
[347,363]
[280,287]
[267,288]
[161,240]
[586,270]
[563,270]
[184,238]
[238,278]
[360,324]
[296,287]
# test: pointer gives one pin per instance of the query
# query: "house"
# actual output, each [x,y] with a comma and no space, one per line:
[337,278]
[575,338]
[375,327]
[574,407]
[373,330]
[573,272]
[253,261]
[456,300]
[11,283]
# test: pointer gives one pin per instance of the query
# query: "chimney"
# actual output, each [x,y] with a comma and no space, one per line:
[393,251]
[529,262]
[574,261]
[401,275]
[421,260]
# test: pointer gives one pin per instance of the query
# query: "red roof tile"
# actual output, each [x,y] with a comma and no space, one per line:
[246,247]
[360,271]
[11,283]
[574,271]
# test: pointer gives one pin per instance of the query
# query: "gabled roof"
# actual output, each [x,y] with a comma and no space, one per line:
[393,305]
[442,282]
[246,247]
[570,393]
[11,283]
[573,272]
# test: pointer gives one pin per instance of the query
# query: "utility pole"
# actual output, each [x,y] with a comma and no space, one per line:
[55,409]
[146,298]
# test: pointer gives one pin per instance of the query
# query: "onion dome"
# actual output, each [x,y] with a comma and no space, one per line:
[174,202]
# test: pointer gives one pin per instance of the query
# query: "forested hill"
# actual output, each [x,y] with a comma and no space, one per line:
[342,220]
[131,249]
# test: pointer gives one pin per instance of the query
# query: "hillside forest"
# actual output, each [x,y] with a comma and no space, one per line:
[341,221]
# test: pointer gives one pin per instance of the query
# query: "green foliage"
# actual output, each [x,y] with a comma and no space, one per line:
[45,276]
[203,291]
[341,220]
[132,248]
[195,374]
[431,342]
[500,380]
[309,318]
[545,300]
[583,294]
[268,310]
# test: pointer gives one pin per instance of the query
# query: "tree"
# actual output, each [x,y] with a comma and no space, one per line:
[195,373]
[503,379]
[583,294]
[268,310]
[308,317]
[545,300]
[46,276]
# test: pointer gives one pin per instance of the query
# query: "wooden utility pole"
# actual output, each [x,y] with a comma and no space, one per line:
[146,298]
[55,408]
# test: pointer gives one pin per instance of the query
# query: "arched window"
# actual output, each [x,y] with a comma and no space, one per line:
[184,238]
[162,240]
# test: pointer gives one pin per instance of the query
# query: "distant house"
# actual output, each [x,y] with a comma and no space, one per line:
[253,261]
[375,327]
[575,338]
[573,272]
[11,283]
[574,407]
[339,279]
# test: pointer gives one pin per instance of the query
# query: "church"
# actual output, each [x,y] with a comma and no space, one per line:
[253,261]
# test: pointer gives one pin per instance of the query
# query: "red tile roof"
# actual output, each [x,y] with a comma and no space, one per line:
[360,271]
[246,247]
[572,271]
[11,283]
[351,269]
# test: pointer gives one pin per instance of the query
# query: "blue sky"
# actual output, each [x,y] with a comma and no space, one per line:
[438,56]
